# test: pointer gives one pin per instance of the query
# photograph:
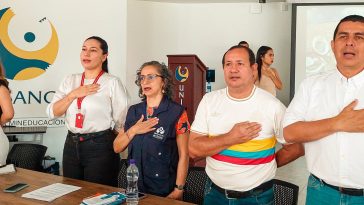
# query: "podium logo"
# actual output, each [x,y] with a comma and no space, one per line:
[181,73]
[26,51]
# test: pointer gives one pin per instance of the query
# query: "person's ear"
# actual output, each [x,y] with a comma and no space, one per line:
[164,83]
[255,71]
[104,57]
[332,45]
[254,67]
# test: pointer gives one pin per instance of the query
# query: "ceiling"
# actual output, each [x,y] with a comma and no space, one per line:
[253,1]
[213,1]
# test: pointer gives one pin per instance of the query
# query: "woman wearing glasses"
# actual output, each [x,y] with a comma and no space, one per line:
[156,134]
[91,102]
[6,114]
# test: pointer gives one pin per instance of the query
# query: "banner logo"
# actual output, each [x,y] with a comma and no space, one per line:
[22,52]
[181,74]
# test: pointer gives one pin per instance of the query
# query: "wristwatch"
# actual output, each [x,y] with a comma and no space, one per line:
[179,187]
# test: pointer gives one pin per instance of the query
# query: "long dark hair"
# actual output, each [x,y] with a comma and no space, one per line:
[105,50]
[3,80]
[260,53]
[166,76]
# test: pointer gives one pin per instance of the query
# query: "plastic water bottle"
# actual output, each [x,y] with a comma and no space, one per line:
[132,176]
[208,87]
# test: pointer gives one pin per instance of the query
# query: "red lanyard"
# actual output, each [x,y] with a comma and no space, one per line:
[79,100]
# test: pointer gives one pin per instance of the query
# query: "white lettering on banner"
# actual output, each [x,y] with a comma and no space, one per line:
[33,122]
[39,64]
[29,97]
[181,93]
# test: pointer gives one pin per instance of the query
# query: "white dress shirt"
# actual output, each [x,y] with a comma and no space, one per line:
[101,110]
[337,158]
[4,147]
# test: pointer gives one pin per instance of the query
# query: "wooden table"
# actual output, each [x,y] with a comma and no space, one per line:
[37,180]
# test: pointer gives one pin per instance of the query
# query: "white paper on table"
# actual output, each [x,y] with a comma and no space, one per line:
[51,192]
[7,169]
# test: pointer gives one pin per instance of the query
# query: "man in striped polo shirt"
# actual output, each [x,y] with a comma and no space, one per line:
[236,128]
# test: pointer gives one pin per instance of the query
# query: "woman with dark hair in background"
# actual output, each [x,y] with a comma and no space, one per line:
[156,133]
[6,114]
[268,77]
[91,103]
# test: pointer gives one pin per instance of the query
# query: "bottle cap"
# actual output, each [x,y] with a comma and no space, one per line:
[132,161]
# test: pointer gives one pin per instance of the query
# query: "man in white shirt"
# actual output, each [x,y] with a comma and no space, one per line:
[236,128]
[327,115]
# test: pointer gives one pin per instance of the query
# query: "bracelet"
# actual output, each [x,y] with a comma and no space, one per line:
[179,187]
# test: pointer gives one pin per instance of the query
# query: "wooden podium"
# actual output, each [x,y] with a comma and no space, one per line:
[190,81]
[190,85]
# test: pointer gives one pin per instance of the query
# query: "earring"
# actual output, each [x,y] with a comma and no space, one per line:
[163,91]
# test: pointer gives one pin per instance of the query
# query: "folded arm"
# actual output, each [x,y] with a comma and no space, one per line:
[288,153]
[348,120]
[123,139]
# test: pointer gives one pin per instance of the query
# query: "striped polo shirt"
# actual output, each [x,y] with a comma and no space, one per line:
[245,166]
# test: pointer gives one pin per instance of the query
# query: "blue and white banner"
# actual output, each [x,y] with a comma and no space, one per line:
[40,42]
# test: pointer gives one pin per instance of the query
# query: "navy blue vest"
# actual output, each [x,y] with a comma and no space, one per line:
[156,152]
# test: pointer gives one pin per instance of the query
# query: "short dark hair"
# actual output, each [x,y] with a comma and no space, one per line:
[166,77]
[353,18]
[250,52]
[3,81]
[243,42]
[105,50]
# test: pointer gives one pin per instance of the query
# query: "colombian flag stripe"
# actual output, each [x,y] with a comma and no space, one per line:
[253,152]
[250,155]
[243,161]
[255,145]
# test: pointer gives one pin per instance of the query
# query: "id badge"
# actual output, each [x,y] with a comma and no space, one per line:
[79,120]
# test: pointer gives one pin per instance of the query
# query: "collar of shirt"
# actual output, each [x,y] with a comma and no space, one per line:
[241,99]
[357,81]
[163,106]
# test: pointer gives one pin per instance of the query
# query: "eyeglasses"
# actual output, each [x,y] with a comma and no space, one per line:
[149,77]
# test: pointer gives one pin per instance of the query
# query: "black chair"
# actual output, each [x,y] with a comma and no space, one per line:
[27,156]
[195,185]
[285,193]
[122,181]
[11,138]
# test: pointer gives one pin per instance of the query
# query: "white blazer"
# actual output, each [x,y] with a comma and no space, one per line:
[4,147]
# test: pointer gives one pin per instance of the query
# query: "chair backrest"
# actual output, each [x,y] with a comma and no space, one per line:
[27,156]
[285,193]
[195,185]
[122,182]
